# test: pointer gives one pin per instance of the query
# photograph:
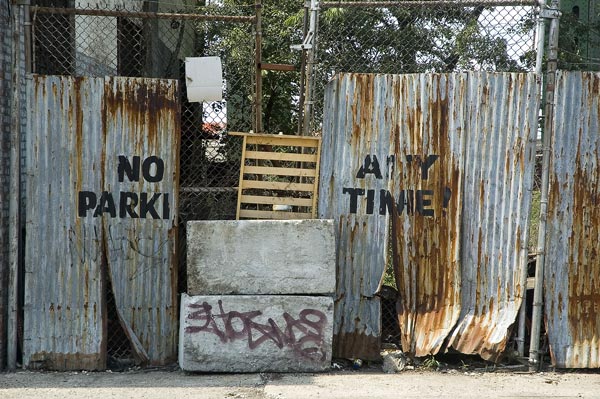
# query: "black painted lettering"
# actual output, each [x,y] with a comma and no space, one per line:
[371,165]
[425,165]
[148,206]
[386,202]
[127,204]
[447,196]
[166,207]
[424,202]
[86,201]
[406,200]
[391,164]
[159,169]
[370,201]
[106,204]
[126,168]
[354,193]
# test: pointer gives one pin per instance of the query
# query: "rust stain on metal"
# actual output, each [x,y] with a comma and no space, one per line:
[355,345]
[399,151]
[147,111]
[65,361]
[358,148]
[572,276]
[497,185]
[381,164]
[99,121]
[425,240]
[63,281]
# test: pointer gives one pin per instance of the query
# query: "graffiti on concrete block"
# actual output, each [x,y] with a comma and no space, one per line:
[304,335]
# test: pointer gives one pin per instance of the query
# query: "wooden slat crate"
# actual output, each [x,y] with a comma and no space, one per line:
[279,176]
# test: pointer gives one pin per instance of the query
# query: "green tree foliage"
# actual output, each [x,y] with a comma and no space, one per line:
[411,40]
[279,31]
[578,44]
[374,39]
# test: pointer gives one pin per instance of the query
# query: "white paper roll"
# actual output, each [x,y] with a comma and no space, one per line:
[204,79]
[208,93]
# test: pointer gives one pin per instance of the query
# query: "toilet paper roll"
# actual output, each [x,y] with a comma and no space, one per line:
[208,93]
[204,79]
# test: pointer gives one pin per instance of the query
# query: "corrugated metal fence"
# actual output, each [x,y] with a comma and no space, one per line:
[447,161]
[572,277]
[101,210]
[439,167]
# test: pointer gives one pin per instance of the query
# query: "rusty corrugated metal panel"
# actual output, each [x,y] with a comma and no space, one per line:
[142,120]
[572,276]
[426,227]
[382,155]
[502,111]
[103,172]
[64,307]
[356,114]
[398,146]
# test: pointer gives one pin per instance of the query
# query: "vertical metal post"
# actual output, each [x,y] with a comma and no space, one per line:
[14,223]
[310,66]
[552,64]
[540,39]
[257,68]
[309,89]
[27,27]
[151,40]
[303,69]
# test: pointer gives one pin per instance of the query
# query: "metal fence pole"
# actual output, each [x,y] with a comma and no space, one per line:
[541,35]
[302,84]
[534,355]
[310,69]
[14,223]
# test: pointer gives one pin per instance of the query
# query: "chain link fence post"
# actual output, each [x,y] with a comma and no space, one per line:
[552,64]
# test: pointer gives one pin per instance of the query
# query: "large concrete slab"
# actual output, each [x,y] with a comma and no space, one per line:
[245,333]
[261,257]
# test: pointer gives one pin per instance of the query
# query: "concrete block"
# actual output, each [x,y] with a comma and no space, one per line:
[244,333]
[261,257]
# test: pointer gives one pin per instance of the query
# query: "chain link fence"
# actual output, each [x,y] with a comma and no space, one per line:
[154,44]
[422,36]
[579,39]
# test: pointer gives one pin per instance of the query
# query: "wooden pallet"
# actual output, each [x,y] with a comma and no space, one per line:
[279,176]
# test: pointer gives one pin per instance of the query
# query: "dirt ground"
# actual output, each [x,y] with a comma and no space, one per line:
[368,382]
